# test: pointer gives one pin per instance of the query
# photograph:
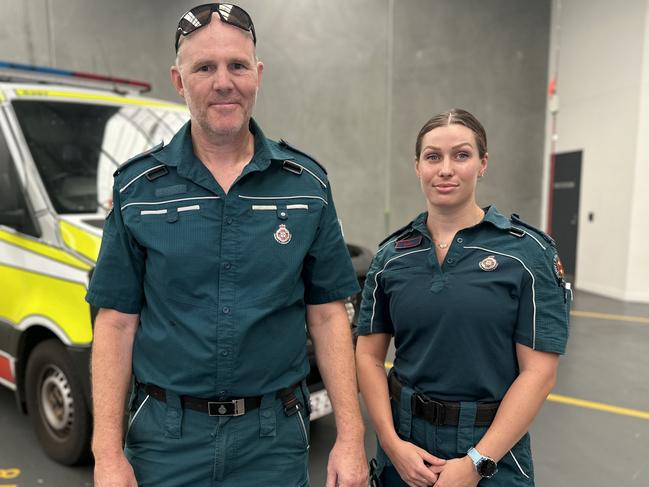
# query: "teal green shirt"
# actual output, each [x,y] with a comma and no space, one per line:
[455,325]
[220,280]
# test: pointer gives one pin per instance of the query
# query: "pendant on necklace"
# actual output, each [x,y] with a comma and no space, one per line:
[442,245]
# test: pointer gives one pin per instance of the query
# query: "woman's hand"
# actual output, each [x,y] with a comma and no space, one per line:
[458,472]
[416,466]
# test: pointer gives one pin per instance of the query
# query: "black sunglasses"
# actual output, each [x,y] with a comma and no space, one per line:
[200,16]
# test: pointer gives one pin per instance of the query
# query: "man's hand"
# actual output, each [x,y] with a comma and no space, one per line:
[347,465]
[114,472]
[458,472]
[416,466]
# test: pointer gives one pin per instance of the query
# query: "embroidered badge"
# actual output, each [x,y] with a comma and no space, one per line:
[558,269]
[282,235]
[408,243]
[488,263]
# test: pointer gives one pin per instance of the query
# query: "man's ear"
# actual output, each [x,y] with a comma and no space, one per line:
[177,80]
[260,71]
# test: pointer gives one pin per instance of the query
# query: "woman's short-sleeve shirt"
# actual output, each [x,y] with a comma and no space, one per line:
[455,325]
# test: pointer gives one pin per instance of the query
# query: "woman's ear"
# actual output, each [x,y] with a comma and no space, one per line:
[483,164]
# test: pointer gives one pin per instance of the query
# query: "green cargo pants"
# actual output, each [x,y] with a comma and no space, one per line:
[514,469]
[171,446]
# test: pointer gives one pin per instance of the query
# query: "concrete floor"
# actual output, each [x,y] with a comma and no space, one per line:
[574,446]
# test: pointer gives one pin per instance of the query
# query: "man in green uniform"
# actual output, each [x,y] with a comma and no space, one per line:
[219,247]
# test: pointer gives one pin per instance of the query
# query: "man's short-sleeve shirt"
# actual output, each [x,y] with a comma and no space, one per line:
[455,325]
[221,281]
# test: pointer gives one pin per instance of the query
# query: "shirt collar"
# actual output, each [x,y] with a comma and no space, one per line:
[419,224]
[491,215]
[180,150]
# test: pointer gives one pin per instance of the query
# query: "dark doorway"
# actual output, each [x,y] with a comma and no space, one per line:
[564,226]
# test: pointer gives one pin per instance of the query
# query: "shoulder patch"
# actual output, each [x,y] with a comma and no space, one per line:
[282,142]
[395,233]
[138,157]
[558,270]
[517,219]
[408,243]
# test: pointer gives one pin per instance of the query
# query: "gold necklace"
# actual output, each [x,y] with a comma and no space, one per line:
[443,246]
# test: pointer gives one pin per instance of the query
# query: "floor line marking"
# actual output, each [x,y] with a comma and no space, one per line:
[582,403]
[609,316]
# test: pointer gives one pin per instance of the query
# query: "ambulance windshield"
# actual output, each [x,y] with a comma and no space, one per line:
[78,146]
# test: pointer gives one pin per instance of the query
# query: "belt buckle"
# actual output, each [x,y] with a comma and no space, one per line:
[439,411]
[235,407]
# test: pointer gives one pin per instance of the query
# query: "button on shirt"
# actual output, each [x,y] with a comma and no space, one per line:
[455,326]
[221,280]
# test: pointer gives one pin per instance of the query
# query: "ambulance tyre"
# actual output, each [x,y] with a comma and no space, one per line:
[56,406]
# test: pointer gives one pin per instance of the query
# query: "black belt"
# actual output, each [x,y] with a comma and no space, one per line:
[215,407]
[442,413]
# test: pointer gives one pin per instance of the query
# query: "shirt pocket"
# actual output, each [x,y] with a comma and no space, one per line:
[171,226]
[175,231]
[279,233]
[179,239]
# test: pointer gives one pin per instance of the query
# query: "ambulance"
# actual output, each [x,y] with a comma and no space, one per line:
[62,135]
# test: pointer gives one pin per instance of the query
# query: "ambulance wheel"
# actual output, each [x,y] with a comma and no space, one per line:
[56,406]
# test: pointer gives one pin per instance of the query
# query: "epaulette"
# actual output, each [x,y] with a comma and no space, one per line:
[138,157]
[395,233]
[295,149]
[517,219]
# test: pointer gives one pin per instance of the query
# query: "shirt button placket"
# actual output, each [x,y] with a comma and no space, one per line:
[225,330]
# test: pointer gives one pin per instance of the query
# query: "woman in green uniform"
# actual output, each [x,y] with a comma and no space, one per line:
[478,308]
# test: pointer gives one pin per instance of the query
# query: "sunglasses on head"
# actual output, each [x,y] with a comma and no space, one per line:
[200,16]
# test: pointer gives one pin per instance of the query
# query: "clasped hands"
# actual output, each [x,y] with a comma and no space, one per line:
[418,468]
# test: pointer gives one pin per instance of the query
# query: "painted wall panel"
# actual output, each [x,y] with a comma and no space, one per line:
[334,87]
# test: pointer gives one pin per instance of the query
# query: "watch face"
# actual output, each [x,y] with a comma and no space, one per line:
[487,468]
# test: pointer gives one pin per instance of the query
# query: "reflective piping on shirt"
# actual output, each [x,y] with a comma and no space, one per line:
[188,208]
[376,282]
[530,235]
[518,465]
[274,207]
[533,287]
[282,198]
[170,201]
[311,173]
[140,175]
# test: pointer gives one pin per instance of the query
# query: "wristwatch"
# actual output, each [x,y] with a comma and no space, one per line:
[485,466]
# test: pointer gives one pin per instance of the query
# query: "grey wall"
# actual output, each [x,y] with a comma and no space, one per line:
[489,57]
[349,81]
